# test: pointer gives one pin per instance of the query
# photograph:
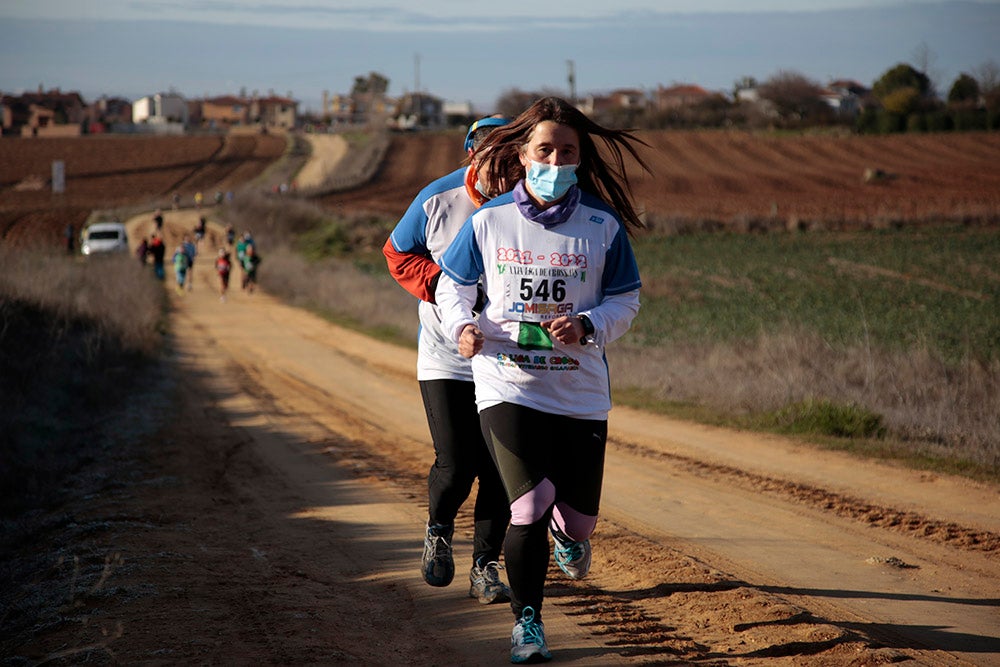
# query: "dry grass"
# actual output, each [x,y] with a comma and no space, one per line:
[327,263]
[82,389]
[930,409]
[332,264]
[119,301]
[343,292]
[76,338]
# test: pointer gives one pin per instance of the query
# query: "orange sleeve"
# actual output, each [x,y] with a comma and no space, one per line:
[417,274]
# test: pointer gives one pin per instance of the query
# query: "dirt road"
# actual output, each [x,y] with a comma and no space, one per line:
[281,518]
[326,153]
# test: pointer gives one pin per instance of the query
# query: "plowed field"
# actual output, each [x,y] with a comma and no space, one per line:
[730,179]
[107,171]
[412,161]
[740,179]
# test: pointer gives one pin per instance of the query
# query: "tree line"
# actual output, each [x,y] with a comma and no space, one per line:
[902,99]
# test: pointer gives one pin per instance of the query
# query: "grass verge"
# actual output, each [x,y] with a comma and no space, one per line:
[76,340]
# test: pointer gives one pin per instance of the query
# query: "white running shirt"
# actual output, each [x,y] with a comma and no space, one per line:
[427,228]
[533,272]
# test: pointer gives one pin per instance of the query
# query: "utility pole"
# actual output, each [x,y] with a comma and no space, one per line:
[571,76]
[416,72]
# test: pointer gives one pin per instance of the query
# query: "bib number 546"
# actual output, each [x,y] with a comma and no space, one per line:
[543,290]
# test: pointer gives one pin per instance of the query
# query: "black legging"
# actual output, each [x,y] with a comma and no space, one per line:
[460,456]
[530,446]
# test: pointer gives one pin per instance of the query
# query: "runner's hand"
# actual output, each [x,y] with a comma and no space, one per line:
[470,342]
[567,329]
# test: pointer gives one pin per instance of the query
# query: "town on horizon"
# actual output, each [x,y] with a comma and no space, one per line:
[787,99]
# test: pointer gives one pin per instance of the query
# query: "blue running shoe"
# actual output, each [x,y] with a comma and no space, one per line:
[573,558]
[527,640]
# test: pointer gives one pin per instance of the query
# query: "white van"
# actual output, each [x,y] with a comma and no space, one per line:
[102,237]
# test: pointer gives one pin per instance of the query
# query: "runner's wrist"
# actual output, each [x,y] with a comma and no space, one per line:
[588,329]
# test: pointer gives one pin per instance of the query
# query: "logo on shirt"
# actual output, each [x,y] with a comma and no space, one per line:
[538,362]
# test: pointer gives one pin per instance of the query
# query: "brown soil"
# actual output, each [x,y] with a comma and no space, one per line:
[105,172]
[745,181]
[740,180]
[412,161]
[730,179]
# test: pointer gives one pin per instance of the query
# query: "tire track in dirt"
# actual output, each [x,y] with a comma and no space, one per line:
[675,160]
[911,171]
[880,272]
[899,154]
[845,164]
[721,172]
[43,226]
[864,153]
[984,148]
[11,221]
[887,518]
[968,174]
[214,166]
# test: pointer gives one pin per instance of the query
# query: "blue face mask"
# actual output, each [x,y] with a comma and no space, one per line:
[550,182]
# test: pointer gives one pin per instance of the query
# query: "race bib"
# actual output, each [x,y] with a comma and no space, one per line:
[540,288]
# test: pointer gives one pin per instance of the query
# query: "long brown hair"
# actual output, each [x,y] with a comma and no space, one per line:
[605,178]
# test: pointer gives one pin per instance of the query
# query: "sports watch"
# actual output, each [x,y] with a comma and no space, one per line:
[588,329]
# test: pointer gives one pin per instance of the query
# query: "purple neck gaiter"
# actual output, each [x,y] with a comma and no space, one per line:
[553,215]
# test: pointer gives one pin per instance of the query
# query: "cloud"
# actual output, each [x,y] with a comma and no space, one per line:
[281,14]
[367,17]
[397,16]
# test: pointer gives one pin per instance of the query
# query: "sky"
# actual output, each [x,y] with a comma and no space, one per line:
[467,51]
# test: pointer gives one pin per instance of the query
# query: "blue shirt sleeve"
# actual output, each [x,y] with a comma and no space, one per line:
[410,233]
[621,273]
[463,260]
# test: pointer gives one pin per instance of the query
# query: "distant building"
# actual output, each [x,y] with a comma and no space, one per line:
[458,114]
[274,112]
[108,113]
[225,111]
[194,108]
[232,111]
[845,97]
[161,108]
[43,113]
[419,111]
[360,108]
[631,99]
[679,95]
[338,109]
